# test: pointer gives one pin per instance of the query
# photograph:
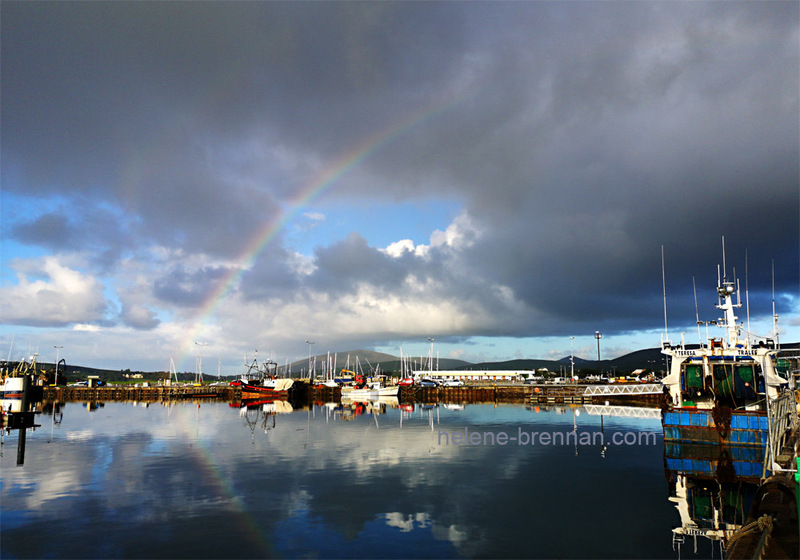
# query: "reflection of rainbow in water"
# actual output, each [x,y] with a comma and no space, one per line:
[310,192]
[207,468]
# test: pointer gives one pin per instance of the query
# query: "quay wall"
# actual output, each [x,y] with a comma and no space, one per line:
[503,393]
[519,393]
[141,394]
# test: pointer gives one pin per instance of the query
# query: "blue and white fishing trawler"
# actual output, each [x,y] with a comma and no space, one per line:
[728,409]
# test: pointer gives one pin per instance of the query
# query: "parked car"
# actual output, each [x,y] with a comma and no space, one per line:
[406,382]
[428,383]
[453,383]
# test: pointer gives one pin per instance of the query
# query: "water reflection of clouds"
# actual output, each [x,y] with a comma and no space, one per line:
[354,482]
[421,520]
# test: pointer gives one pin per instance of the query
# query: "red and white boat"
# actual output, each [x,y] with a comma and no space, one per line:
[261,381]
[275,387]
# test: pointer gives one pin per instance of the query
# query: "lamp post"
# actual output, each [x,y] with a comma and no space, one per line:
[598,336]
[571,358]
[430,355]
[58,350]
[309,358]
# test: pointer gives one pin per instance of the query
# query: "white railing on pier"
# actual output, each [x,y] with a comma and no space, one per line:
[622,411]
[782,419]
[624,389]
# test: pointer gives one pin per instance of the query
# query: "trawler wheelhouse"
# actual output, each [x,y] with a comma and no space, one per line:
[736,380]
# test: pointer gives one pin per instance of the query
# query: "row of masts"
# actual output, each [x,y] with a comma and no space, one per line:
[327,367]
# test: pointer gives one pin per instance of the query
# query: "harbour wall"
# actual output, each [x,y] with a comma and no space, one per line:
[523,394]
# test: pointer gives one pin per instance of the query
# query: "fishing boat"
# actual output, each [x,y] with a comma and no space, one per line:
[11,388]
[260,381]
[12,382]
[726,406]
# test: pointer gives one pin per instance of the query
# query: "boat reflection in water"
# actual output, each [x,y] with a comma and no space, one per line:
[261,412]
[712,501]
[20,402]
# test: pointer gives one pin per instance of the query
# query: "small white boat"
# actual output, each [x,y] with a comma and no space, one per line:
[370,391]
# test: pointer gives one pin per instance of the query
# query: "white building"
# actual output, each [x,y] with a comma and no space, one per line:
[475,375]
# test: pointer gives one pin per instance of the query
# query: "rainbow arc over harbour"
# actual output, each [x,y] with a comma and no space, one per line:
[321,183]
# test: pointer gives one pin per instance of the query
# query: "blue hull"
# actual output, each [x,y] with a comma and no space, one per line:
[696,445]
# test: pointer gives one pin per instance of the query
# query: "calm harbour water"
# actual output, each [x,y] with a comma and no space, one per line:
[214,481]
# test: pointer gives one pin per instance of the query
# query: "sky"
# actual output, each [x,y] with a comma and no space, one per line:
[203,180]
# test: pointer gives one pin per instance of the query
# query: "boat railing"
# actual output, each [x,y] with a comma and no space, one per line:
[782,419]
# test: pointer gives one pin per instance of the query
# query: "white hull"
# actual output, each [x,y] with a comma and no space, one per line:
[369,394]
[11,387]
[11,405]
[391,402]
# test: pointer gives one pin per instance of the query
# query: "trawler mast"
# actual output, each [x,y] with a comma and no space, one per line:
[725,290]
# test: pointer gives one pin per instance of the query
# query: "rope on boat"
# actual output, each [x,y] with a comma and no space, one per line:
[763,524]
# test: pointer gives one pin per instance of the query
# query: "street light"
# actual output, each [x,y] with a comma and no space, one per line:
[571,359]
[598,336]
[58,350]
[430,355]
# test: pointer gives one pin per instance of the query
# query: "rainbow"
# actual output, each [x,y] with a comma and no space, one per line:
[320,183]
[207,466]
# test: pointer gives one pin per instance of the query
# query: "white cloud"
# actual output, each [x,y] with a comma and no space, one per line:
[61,295]
[462,233]
[398,248]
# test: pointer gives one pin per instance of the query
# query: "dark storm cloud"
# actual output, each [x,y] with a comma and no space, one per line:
[82,226]
[346,265]
[580,137]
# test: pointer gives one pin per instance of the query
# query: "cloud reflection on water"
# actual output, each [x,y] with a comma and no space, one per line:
[317,485]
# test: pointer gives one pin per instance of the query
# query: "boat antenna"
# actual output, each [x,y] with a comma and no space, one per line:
[774,314]
[697,313]
[747,294]
[10,347]
[664,289]
[724,269]
[738,289]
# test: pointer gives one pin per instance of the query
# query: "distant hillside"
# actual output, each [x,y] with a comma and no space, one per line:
[531,364]
[370,361]
[366,358]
